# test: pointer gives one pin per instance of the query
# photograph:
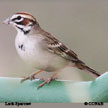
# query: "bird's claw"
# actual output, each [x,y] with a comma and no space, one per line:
[45,81]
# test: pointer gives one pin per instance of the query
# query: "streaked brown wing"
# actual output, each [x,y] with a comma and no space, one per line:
[55,46]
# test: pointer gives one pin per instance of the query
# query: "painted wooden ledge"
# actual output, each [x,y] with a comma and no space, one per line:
[11,90]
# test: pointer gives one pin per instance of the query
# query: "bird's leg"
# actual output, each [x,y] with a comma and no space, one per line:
[49,79]
[32,76]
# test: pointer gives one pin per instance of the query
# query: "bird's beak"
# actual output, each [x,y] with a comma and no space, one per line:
[7,21]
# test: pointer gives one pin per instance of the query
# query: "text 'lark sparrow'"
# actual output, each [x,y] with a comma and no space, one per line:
[40,49]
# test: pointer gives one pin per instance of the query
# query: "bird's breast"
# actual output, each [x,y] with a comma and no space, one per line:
[31,52]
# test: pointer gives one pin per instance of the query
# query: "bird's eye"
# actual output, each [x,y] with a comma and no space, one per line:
[19,17]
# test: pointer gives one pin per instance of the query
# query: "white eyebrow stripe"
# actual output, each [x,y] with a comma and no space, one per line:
[23,16]
[19,20]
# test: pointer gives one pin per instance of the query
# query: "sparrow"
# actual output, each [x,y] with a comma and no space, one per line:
[41,50]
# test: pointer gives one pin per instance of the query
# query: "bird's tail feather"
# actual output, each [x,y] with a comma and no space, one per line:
[81,65]
[92,71]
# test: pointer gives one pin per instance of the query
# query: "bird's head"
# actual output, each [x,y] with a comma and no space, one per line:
[22,21]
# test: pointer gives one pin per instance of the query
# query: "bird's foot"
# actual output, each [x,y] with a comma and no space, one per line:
[47,81]
[31,77]
[28,78]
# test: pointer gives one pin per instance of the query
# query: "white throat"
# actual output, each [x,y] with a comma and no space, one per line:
[23,29]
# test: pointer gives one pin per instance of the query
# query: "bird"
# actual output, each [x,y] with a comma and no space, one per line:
[42,50]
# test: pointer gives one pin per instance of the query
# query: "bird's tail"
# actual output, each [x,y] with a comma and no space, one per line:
[92,71]
[81,65]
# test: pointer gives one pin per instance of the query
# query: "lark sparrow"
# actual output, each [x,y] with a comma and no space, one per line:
[40,49]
